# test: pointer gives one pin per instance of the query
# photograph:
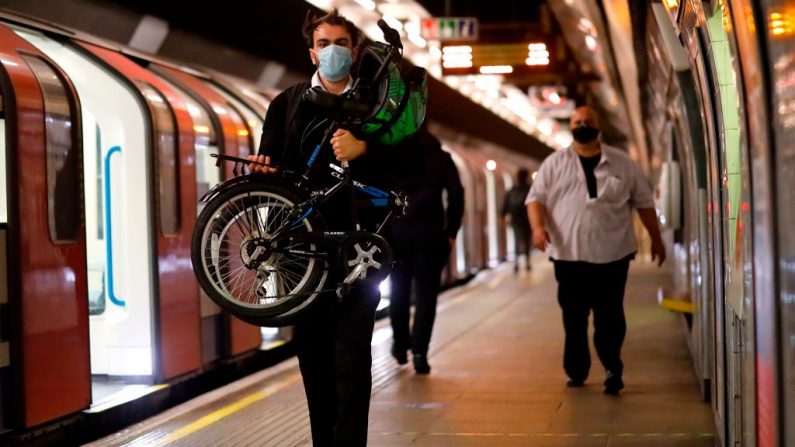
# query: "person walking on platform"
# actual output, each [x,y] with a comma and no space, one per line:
[333,337]
[515,213]
[422,240]
[580,208]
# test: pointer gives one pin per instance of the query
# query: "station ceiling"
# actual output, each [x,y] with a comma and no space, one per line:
[270,30]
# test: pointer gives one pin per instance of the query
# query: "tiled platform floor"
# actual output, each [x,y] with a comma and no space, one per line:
[496,381]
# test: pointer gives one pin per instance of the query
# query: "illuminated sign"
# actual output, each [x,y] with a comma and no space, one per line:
[449,28]
[495,58]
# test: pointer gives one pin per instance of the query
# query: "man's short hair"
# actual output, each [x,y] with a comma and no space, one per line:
[332,18]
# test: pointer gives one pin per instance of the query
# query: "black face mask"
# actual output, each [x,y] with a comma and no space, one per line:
[585,134]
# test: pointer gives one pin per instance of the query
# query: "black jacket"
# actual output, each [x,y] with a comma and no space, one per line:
[427,220]
[515,207]
[284,140]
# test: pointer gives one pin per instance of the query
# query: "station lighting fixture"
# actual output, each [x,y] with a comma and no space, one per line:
[496,69]
[590,42]
[366,4]
[491,165]
[457,56]
[780,24]
[671,4]
[537,54]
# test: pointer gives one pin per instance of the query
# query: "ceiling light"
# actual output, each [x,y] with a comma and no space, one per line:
[457,49]
[367,4]
[496,69]
[590,42]
[491,165]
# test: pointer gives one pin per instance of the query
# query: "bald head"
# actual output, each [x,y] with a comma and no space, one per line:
[584,115]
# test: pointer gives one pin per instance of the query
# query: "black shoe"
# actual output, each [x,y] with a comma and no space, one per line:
[400,355]
[571,383]
[613,384]
[421,365]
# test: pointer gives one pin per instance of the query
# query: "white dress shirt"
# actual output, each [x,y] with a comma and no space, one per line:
[597,230]
[316,82]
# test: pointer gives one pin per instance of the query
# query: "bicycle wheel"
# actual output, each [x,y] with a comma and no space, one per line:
[239,263]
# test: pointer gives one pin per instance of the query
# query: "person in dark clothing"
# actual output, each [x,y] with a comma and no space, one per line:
[422,240]
[333,337]
[515,212]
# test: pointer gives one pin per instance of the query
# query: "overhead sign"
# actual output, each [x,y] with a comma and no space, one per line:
[500,58]
[449,28]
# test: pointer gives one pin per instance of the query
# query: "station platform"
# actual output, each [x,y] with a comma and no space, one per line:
[496,381]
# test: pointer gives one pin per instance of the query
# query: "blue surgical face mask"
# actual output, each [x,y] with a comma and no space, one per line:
[334,62]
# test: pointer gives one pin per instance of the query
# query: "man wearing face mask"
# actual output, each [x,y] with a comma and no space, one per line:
[333,337]
[580,209]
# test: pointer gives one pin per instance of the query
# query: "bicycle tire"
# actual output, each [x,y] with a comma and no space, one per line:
[226,247]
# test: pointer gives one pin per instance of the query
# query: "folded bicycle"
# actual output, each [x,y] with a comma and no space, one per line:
[259,248]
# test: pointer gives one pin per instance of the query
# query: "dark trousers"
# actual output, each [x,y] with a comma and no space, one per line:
[422,266]
[583,287]
[521,242]
[333,343]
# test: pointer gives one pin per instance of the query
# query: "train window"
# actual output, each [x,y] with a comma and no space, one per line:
[253,121]
[63,152]
[205,143]
[166,159]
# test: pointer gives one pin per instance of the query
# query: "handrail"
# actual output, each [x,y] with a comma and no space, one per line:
[109,229]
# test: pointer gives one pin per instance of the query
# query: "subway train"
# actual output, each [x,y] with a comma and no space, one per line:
[719,110]
[104,153]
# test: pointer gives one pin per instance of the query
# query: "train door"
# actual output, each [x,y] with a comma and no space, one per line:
[698,48]
[462,252]
[771,120]
[44,362]
[5,359]
[491,211]
[170,154]
[234,138]
[735,217]
[118,251]
[207,176]
[506,228]
[499,224]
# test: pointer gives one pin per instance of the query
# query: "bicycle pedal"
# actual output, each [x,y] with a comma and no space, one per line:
[342,291]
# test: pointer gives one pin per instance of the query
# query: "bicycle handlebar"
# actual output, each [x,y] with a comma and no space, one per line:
[223,157]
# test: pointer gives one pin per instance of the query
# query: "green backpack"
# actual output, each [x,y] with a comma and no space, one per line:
[398,101]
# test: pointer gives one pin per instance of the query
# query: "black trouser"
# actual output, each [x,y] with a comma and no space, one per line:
[333,343]
[521,241]
[583,287]
[423,264]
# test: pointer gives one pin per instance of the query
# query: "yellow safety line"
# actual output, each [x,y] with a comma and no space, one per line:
[230,409]
[677,305]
